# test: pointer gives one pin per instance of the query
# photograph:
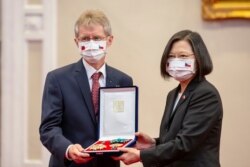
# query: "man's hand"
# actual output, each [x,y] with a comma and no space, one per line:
[77,155]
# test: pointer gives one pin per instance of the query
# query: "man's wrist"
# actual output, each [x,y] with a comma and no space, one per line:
[67,152]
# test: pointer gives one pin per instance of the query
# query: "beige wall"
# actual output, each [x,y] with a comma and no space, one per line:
[141,30]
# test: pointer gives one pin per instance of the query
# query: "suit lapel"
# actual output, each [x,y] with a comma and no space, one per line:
[82,80]
[192,85]
[111,79]
[168,110]
[181,100]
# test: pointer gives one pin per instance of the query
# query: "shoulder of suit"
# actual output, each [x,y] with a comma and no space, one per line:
[116,71]
[206,86]
[64,70]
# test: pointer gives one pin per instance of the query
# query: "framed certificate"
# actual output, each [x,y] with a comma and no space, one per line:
[118,120]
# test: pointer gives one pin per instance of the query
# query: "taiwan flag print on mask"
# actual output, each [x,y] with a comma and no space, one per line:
[92,51]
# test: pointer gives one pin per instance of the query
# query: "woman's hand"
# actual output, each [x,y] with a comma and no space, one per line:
[144,141]
[132,155]
[129,156]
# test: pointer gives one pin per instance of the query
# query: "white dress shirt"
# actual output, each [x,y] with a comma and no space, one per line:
[90,71]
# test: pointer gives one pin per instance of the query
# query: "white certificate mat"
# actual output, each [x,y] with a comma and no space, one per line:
[118,113]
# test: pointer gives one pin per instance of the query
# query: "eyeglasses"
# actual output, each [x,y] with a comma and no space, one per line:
[183,55]
[94,38]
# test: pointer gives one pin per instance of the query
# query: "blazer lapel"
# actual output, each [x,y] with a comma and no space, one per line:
[168,110]
[181,100]
[82,80]
[111,79]
[192,85]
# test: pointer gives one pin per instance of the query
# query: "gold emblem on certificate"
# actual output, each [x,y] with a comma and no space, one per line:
[118,106]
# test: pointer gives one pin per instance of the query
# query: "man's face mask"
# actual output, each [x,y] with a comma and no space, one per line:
[181,69]
[92,51]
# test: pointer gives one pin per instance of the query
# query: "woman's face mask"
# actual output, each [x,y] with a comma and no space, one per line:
[181,69]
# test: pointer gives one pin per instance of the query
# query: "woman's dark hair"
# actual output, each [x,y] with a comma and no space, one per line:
[202,56]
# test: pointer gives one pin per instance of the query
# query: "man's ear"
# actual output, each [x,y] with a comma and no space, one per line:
[110,40]
[76,41]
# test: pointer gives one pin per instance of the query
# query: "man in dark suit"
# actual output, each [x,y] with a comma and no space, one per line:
[69,118]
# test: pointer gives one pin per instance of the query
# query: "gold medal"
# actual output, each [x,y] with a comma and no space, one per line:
[97,147]
[115,145]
